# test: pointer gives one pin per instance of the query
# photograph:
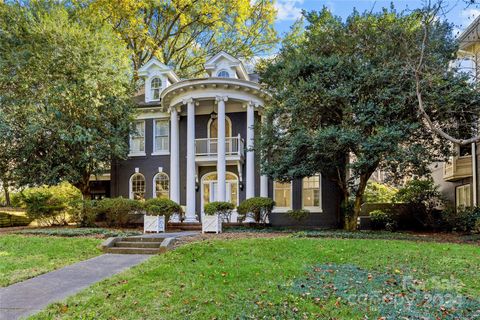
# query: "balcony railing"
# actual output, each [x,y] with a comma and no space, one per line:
[209,146]
[457,168]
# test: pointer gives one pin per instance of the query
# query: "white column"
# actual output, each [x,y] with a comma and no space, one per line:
[221,162]
[250,192]
[174,156]
[263,178]
[190,215]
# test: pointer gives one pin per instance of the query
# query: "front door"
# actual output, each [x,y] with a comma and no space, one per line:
[209,189]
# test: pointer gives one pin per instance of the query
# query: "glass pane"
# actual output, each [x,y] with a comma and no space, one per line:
[161,128]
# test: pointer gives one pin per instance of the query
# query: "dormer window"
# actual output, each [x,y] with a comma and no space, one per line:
[223,74]
[155,87]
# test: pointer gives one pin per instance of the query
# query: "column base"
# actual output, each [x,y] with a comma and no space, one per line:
[191,220]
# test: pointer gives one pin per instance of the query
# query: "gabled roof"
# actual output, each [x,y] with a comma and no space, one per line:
[154,62]
[233,62]
[470,35]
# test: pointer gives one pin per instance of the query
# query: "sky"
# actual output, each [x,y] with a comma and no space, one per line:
[289,10]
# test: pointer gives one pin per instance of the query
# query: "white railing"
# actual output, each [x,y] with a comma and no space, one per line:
[209,146]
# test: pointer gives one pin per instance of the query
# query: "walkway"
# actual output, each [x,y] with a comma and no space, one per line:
[30,296]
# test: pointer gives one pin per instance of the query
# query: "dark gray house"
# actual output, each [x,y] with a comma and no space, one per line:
[193,146]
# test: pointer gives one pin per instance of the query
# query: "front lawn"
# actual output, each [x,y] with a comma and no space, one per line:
[280,278]
[23,257]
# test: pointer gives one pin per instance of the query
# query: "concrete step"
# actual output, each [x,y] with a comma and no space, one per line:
[131,250]
[137,244]
[142,239]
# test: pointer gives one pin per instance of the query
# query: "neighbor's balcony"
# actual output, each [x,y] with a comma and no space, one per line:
[457,168]
[206,150]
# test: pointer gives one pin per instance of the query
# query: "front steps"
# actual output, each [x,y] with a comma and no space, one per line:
[137,245]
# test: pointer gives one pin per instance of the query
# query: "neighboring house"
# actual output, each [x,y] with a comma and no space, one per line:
[458,178]
[193,144]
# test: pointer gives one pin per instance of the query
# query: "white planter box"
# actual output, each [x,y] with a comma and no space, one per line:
[211,224]
[153,224]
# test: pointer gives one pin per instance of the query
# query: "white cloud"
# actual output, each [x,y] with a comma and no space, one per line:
[288,9]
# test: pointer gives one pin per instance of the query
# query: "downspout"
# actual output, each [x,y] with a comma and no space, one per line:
[474,173]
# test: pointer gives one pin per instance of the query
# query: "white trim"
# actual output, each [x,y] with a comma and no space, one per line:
[140,152]
[315,209]
[165,151]
[227,134]
[130,191]
[283,209]
[202,204]
[154,193]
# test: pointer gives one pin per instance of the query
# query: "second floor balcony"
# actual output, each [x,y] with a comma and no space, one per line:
[206,149]
[458,168]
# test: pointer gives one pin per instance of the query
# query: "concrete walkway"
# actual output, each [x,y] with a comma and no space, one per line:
[30,296]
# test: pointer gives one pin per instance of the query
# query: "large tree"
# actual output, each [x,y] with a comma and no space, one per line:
[182,33]
[344,101]
[65,93]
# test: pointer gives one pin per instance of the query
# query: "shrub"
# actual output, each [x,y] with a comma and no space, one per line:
[424,197]
[162,207]
[223,209]
[12,220]
[118,211]
[51,205]
[259,207]
[463,219]
[84,213]
[298,214]
[382,220]
[379,193]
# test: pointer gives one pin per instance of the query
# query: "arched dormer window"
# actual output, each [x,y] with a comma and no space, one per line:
[161,185]
[155,87]
[137,187]
[223,74]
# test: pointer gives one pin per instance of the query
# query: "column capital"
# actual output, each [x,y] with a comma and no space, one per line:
[187,100]
[174,108]
[221,98]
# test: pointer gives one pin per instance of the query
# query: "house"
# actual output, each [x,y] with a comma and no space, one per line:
[194,144]
[458,178]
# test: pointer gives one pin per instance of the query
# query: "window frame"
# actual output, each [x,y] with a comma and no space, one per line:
[160,152]
[139,152]
[155,184]
[283,209]
[318,208]
[152,92]
[221,71]
[130,186]
[459,189]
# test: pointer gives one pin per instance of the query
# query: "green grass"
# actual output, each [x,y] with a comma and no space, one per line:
[80,232]
[256,278]
[23,257]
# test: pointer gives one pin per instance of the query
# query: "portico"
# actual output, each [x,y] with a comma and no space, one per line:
[214,97]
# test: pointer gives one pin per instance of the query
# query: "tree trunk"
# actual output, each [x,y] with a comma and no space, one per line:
[7,195]
[351,219]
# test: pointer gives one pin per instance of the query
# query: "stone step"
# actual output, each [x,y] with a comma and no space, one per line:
[142,239]
[137,244]
[131,250]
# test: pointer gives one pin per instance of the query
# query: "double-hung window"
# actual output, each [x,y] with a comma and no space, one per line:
[137,139]
[161,136]
[282,194]
[311,193]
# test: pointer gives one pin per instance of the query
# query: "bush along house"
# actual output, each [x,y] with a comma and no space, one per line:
[194,144]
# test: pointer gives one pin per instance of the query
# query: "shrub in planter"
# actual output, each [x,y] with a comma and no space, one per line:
[260,207]
[162,207]
[298,214]
[382,220]
[118,211]
[223,209]
[463,219]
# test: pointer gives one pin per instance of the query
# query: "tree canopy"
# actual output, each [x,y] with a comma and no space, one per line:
[182,33]
[65,93]
[344,100]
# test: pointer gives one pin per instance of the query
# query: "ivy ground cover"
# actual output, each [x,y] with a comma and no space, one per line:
[279,278]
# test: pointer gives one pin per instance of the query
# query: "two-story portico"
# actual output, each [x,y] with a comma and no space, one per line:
[194,144]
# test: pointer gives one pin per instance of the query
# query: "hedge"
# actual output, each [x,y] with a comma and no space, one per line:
[12,220]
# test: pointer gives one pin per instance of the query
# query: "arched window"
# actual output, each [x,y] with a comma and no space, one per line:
[161,186]
[137,187]
[155,87]
[213,127]
[223,74]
